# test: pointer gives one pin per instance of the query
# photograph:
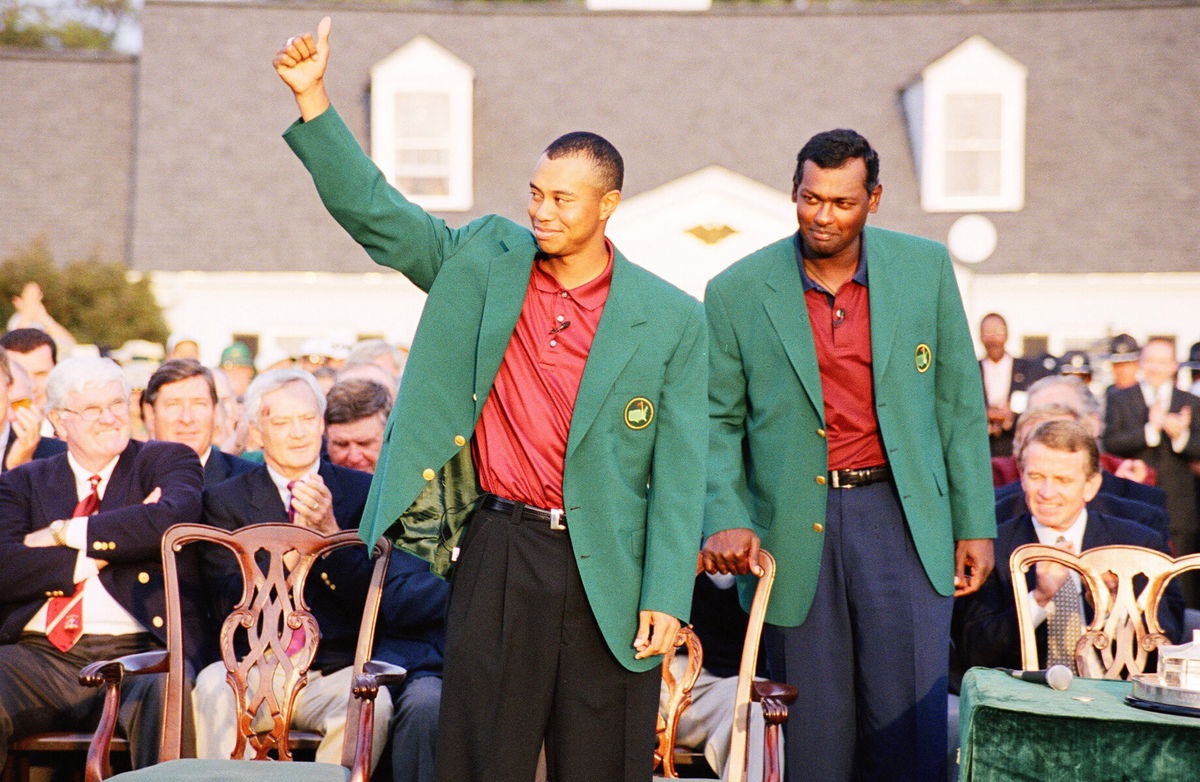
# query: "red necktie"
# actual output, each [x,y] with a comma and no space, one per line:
[298,635]
[64,615]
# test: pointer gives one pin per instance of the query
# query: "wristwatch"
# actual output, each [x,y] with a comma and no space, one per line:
[58,529]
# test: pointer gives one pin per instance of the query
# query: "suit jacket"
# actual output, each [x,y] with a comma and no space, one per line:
[633,490]
[125,533]
[1124,435]
[47,446]
[767,448]
[1011,503]
[985,630]
[1024,372]
[409,631]
[222,466]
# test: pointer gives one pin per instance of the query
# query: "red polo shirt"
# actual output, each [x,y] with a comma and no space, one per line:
[521,437]
[841,327]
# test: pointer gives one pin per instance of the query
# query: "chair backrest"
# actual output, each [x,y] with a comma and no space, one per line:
[1124,629]
[271,609]
[680,690]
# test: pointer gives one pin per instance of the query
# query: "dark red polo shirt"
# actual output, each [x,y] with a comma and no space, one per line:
[841,327]
[521,437]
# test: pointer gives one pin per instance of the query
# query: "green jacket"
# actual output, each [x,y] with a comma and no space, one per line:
[767,451]
[633,484]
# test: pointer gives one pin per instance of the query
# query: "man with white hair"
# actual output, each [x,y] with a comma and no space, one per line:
[82,575]
[294,485]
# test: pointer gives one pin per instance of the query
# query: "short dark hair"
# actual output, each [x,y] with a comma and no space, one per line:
[172,372]
[29,340]
[1068,436]
[596,148]
[832,149]
[356,399]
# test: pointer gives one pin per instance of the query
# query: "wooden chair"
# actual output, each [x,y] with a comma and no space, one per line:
[774,697]
[1124,629]
[271,607]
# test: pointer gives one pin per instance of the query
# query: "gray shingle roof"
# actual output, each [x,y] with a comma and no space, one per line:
[1111,182]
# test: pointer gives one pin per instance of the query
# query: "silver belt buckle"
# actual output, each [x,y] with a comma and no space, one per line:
[833,479]
[556,515]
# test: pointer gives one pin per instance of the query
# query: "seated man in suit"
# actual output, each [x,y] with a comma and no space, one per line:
[1010,499]
[1129,478]
[82,578]
[1060,474]
[179,405]
[286,408]
[355,416]
[21,436]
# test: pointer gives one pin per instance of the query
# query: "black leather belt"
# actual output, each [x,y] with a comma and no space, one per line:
[849,479]
[555,518]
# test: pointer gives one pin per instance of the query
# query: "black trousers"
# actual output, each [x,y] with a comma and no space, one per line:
[40,691]
[526,662]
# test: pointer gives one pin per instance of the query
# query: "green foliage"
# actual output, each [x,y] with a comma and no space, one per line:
[66,24]
[93,299]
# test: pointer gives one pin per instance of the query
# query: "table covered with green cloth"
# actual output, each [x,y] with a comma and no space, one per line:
[1015,730]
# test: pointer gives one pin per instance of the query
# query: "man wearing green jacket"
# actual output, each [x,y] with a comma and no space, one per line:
[555,396]
[848,438]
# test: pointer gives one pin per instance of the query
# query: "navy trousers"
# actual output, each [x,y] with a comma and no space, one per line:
[871,659]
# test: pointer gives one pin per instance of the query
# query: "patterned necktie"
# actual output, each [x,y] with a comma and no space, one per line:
[298,635]
[1065,625]
[64,615]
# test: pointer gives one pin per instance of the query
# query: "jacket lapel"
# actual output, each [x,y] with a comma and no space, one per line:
[118,493]
[786,308]
[508,279]
[59,504]
[264,500]
[883,294]
[621,330]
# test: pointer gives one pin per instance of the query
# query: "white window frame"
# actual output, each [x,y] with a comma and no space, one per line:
[974,67]
[422,66]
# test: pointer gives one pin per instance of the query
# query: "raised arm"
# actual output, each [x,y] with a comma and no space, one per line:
[301,63]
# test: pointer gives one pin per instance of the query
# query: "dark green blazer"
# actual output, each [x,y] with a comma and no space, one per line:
[767,451]
[633,483]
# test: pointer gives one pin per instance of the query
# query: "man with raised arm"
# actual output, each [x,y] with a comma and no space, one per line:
[554,396]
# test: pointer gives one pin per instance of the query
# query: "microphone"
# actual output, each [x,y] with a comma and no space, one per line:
[1056,677]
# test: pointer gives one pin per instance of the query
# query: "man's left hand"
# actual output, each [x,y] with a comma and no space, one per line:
[975,556]
[656,633]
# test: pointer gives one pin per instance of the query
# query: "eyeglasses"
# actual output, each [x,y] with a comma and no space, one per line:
[119,408]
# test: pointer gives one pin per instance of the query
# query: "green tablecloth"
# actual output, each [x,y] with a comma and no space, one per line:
[1015,730]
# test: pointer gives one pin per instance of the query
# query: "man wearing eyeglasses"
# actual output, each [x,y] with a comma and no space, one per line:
[82,576]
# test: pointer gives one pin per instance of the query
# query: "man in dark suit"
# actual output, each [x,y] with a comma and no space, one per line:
[1003,376]
[286,407]
[1160,424]
[179,405]
[22,422]
[1060,475]
[82,575]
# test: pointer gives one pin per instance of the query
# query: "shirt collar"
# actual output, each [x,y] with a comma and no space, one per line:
[281,482]
[1073,534]
[591,295]
[860,273]
[83,477]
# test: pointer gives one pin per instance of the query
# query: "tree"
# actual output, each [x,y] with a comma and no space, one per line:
[63,24]
[97,301]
